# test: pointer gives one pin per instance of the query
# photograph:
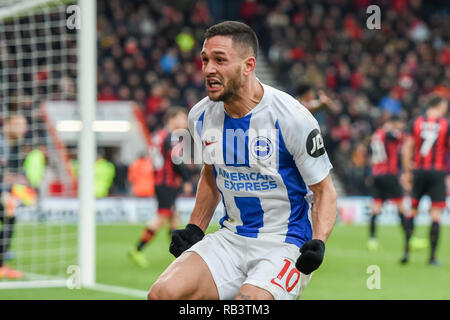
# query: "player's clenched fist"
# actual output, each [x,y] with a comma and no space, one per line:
[184,239]
[311,256]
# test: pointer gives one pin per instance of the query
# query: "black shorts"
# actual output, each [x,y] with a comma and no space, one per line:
[430,182]
[2,212]
[166,197]
[386,187]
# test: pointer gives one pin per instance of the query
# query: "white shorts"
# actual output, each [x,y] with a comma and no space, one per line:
[235,260]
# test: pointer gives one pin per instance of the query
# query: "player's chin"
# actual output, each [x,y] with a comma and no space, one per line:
[215,95]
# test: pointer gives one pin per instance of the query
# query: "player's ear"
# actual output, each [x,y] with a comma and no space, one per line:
[249,65]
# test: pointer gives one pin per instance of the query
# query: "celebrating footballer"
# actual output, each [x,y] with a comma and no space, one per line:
[264,157]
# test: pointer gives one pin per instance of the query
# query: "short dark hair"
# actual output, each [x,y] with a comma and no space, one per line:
[434,100]
[302,89]
[172,112]
[395,118]
[239,32]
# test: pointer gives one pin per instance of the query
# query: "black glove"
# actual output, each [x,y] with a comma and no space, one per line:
[311,256]
[184,239]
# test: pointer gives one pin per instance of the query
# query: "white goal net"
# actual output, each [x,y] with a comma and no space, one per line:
[38,63]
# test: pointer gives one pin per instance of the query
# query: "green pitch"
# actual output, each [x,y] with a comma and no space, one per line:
[344,274]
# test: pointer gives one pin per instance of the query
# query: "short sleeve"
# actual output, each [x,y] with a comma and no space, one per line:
[195,126]
[304,142]
[394,135]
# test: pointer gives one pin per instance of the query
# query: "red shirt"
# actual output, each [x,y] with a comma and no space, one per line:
[431,137]
[162,161]
[385,147]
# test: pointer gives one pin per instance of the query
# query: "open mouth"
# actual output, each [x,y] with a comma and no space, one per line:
[213,84]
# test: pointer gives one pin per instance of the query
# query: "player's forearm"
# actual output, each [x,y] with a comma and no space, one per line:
[324,209]
[407,152]
[204,210]
[316,106]
[206,201]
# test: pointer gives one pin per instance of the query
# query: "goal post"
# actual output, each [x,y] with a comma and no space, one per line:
[87,99]
[44,59]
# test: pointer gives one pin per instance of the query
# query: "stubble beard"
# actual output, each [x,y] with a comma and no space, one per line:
[230,89]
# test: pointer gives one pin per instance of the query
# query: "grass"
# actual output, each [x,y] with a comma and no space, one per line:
[344,272]
[343,275]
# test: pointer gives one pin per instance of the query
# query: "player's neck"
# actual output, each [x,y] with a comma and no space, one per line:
[434,114]
[169,127]
[245,100]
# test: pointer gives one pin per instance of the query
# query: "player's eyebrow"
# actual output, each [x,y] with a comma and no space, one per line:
[214,53]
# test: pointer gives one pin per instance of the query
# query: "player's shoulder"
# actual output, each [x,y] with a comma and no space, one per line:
[199,108]
[159,136]
[280,97]
[420,117]
[417,121]
[162,132]
[379,131]
[290,112]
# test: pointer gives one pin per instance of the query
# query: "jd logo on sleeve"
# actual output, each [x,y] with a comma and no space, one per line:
[314,144]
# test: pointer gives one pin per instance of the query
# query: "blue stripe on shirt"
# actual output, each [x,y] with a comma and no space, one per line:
[235,141]
[299,226]
[225,217]
[251,215]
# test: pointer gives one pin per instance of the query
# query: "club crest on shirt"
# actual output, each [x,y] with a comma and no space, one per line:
[261,148]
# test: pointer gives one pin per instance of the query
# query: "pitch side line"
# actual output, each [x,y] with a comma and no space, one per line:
[43,284]
[142,294]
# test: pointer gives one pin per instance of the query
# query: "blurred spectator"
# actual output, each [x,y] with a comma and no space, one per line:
[169,61]
[107,93]
[391,103]
[104,172]
[359,170]
[344,130]
[141,177]
[119,184]
[34,167]
[185,41]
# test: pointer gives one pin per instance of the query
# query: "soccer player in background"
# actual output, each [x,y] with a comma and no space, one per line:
[424,163]
[168,179]
[15,128]
[385,148]
[307,97]
[261,150]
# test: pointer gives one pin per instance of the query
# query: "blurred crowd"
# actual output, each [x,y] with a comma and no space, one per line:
[372,74]
[148,52]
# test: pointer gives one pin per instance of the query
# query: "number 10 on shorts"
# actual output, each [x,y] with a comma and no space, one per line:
[292,277]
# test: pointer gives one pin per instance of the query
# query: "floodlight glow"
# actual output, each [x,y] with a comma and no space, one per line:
[69,125]
[113,126]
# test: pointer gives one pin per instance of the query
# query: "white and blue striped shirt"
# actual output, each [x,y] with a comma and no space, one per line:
[263,163]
